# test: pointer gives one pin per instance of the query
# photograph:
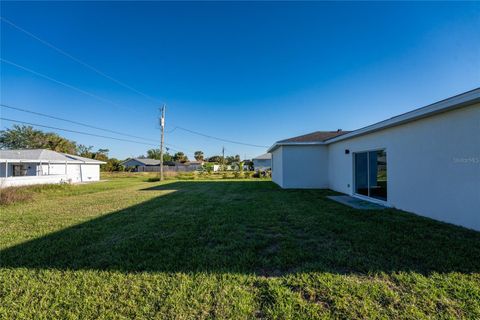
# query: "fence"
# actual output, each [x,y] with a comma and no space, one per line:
[167,168]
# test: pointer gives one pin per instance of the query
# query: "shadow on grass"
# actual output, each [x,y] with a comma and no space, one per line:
[251,227]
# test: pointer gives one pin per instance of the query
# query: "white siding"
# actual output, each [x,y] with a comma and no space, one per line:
[433,165]
[90,172]
[305,166]
[83,172]
[277,166]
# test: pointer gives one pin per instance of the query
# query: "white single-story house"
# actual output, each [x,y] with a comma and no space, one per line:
[262,162]
[41,166]
[426,161]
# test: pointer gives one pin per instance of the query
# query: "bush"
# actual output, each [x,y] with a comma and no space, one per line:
[153,179]
[14,194]
[237,175]
[247,174]
[186,176]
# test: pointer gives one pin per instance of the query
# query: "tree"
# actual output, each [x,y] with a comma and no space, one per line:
[84,151]
[101,155]
[217,159]
[180,157]
[26,137]
[112,165]
[232,159]
[153,154]
[199,156]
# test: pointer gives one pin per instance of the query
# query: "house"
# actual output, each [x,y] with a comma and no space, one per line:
[262,162]
[141,164]
[153,165]
[426,161]
[192,165]
[41,166]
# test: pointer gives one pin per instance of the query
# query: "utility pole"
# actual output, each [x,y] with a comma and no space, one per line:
[162,128]
[223,158]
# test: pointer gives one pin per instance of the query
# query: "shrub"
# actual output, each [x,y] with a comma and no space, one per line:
[247,174]
[153,179]
[14,194]
[186,176]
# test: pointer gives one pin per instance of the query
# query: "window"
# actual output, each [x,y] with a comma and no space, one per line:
[19,170]
[370,174]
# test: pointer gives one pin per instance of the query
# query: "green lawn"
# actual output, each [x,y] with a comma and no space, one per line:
[238,249]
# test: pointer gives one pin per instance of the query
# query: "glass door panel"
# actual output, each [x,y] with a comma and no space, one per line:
[371,174]
[378,174]
[361,173]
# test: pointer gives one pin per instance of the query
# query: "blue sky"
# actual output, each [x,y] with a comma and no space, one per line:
[252,72]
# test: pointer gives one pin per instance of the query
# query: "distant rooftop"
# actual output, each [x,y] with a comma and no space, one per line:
[146,161]
[265,156]
[43,155]
[317,136]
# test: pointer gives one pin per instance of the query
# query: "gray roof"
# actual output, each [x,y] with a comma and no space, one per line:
[265,156]
[43,155]
[145,161]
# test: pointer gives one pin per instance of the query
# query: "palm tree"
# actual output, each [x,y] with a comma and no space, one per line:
[199,156]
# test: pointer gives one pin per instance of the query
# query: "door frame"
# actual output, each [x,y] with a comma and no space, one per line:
[361,196]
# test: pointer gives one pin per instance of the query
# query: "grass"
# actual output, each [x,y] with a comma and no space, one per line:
[241,249]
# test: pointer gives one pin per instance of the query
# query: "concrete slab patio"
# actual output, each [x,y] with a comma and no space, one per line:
[356,203]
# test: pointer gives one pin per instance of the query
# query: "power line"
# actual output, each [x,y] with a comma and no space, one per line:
[62,83]
[219,139]
[74,122]
[80,61]
[90,134]
[171,146]
[75,131]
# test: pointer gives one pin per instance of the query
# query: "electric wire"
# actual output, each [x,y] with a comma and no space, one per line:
[74,122]
[121,83]
[63,83]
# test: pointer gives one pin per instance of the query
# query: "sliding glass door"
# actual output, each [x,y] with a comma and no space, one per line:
[370,174]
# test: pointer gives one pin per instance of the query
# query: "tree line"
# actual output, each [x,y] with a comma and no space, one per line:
[27,137]
[181,157]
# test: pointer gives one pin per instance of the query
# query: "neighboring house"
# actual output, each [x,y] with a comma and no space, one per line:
[426,161]
[262,162]
[140,165]
[40,166]
[153,165]
[191,165]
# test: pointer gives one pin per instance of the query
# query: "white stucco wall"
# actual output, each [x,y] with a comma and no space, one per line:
[90,172]
[433,165]
[304,166]
[277,166]
[83,172]
[51,173]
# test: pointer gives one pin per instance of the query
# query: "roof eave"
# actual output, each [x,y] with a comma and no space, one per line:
[462,100]
[280,144]
[53,161]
